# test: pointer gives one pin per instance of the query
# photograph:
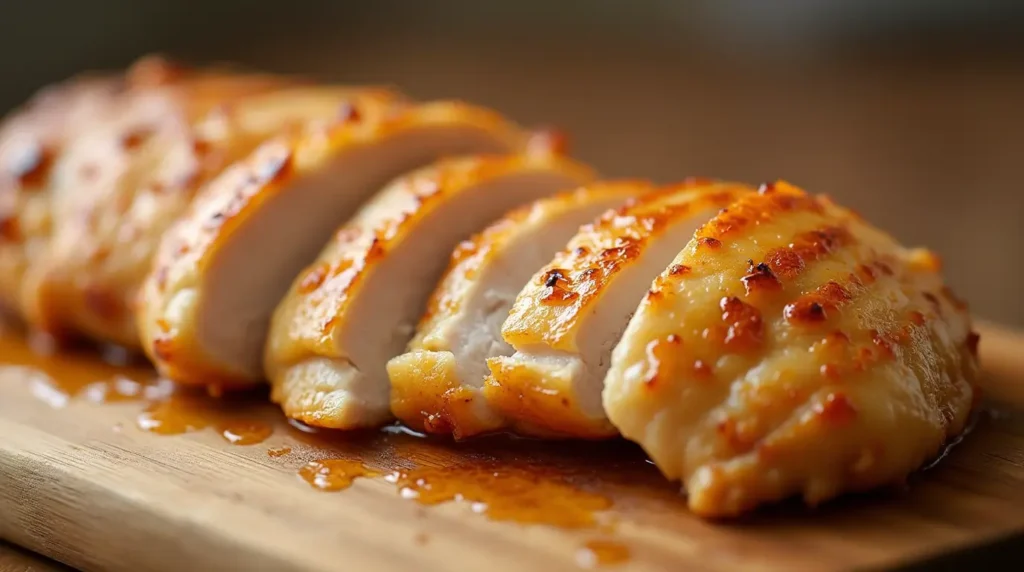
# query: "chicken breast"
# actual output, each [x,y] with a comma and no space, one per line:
[356,307]
[121,183]
[792,349]
[435,385]
[32,140]
[571,313]
[206,307]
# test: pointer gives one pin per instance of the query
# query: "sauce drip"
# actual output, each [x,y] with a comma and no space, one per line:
[597,553]
[245,432]
[334,474]
[279,451]
[504,493]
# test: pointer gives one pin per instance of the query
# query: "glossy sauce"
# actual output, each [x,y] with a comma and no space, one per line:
[504,493]
[502,478]
[597,553]
[334,474]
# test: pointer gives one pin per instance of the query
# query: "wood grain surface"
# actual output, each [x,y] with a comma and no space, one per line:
[15,559]
[80,482]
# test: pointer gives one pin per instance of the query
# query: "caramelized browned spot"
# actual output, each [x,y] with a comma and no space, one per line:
[662,358]
[349,113]
[30,165]
[917,318]
[788,262]
[10,229]
[314,278]
[745,327]
[707,241]
[813,308]
[134,138]
[757,208]
[678,270]
[836,409]
[760,278]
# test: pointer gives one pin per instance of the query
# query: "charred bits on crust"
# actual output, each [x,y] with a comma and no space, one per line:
[760,277]
[745,326]
[709,242]
[814,307]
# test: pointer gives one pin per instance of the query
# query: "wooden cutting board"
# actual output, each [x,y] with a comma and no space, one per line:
[100,472]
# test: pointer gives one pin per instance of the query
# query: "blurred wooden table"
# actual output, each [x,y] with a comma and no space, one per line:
[14,559]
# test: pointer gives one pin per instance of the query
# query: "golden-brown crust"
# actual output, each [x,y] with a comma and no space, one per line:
[32,140]
[807,354]
[124,179]
[551,310]
[311,320]
[193,246]
[426,392]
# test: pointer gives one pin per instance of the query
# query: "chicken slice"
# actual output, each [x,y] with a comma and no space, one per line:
[356,306]
[205,309]
[792,349]
[123,181]
[568,317]
[435,386]
[32,139]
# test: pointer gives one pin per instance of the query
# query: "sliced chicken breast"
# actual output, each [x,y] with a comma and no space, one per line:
[206,307]
[356,307]
[570,315]
[32,140]
[435,385]
[792,349]
[123,181]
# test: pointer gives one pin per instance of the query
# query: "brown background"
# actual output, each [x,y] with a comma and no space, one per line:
[911,112]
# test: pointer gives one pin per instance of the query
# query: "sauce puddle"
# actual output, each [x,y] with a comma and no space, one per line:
[558,484]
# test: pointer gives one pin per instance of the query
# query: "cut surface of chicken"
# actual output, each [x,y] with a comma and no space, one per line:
[32,140]
[121,182]
[205,309]
[569,316]
[435,385]
[357,306]
[792,349]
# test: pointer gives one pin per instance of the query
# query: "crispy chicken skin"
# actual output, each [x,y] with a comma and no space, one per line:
[205,308]
[792,349]
[356,307]
[435,385]
[568,317]
[120,183]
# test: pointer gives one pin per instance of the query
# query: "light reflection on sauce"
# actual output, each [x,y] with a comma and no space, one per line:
[596,553]
[245,432]
[504,493]
[279,451]
[509,480]
[334,474]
